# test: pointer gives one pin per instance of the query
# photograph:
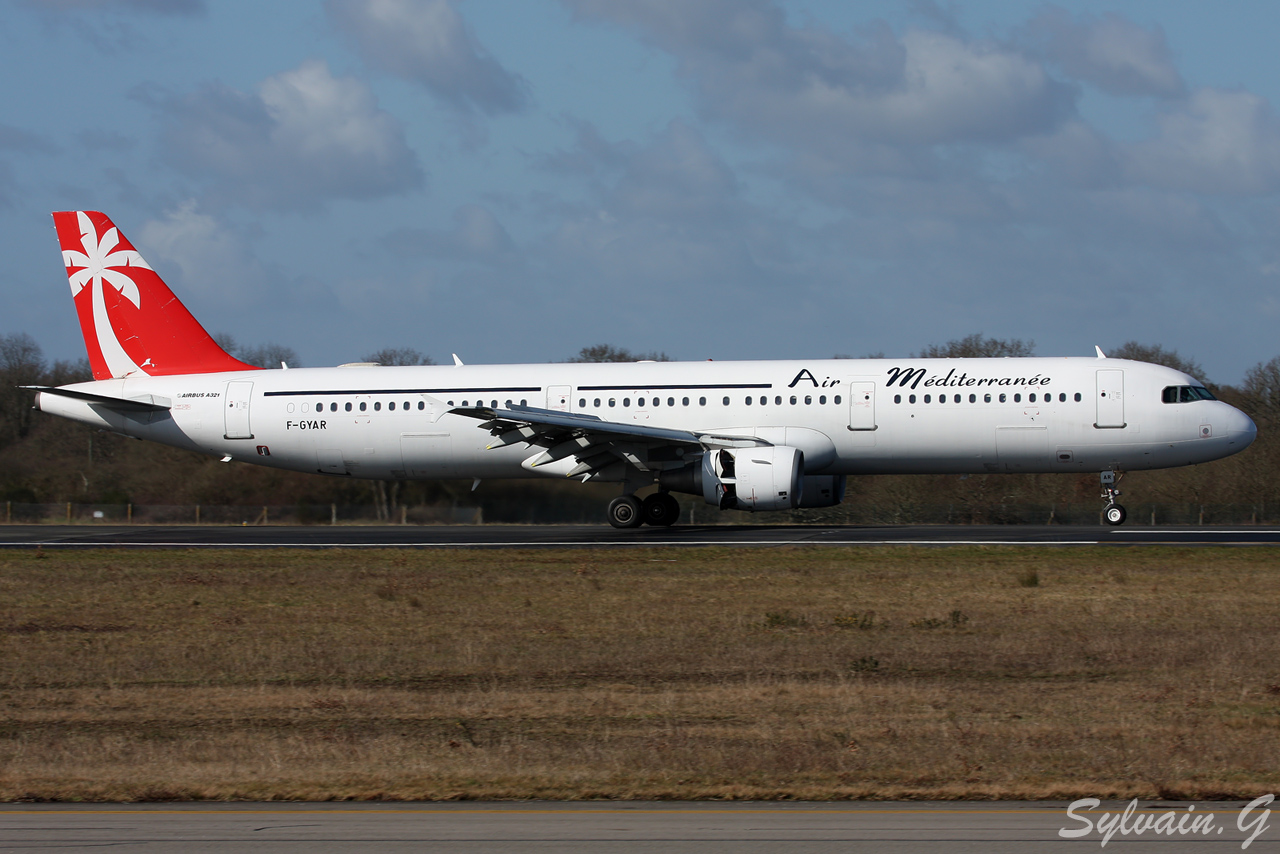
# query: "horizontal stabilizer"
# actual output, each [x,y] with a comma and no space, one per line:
[145,403]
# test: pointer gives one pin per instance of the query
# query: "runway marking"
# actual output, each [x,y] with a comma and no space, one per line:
[482,811]
[549,543]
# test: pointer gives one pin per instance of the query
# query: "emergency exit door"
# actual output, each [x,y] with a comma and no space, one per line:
[1110,398]
[235,406]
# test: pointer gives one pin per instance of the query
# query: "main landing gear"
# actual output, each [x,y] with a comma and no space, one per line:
[1113,513]
[659,509]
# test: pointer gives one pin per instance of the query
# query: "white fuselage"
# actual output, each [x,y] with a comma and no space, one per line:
[847,416]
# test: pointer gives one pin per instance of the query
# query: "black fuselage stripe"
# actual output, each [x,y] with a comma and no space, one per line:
[511,389]
[708,387]
[333,391]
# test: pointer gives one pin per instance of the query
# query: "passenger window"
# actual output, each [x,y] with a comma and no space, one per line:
[422,405]
[897,398]
[726,401]
[684,401]
[777,401]
[363,406]
[973,398]
[671,401]
[640,403]
[349,407]
[320,407]
[613,401]
[582,402]
[822,399]
[333,407]
[912,398]
[1032,397]
[1062,398]
[807,400]
[523,402]
[1017,398]
[702,401]
[942,398]
[406,405]
[492,403]
[377,407]
[748,400]
[763,400]
[1003,398]
[1077,397]
[928,398]
[597,402]
[956,399]
[986,398]
[836,400]
[793,400]
[391,406]
[626,401]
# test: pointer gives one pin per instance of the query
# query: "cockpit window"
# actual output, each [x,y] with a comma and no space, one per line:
[1186,393]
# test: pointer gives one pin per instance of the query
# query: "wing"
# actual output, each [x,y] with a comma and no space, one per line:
[589,445]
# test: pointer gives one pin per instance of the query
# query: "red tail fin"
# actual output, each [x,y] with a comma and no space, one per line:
[132,322]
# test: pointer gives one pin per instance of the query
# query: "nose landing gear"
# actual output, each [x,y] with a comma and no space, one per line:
[1113,513]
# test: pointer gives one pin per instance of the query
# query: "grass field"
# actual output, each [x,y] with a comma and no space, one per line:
[996,672]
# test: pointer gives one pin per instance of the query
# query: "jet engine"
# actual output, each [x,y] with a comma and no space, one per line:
[768,478]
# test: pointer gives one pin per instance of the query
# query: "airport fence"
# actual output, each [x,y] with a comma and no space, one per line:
[693,512]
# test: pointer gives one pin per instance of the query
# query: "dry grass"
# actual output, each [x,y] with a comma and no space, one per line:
[715,673]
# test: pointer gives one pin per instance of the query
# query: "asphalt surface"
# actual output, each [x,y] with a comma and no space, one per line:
[543,536]
[632,827]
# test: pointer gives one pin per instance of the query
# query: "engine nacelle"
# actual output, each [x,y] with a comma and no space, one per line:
[822,490]
[769,478]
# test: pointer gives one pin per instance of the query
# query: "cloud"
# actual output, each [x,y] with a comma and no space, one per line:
[476,235]
[1110,52]
[1216,141]
[24,142]
[304,137]
[211,260]
[428,42]
[158,7]
[864,100]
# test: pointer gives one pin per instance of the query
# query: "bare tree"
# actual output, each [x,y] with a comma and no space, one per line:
[21,363]
[269,356]
[1157,355]
[399,356]
[609,353]
[978,346]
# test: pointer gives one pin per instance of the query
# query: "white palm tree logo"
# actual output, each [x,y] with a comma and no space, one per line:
[98,262]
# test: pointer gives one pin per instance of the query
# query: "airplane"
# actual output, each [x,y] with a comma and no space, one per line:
[746,435]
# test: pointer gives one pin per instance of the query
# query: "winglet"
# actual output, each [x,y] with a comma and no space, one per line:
[1101,355]
[456,361]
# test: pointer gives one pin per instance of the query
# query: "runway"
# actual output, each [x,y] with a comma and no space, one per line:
[635,827]
[598,536]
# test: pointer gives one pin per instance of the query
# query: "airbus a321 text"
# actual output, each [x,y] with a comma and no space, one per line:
[762,435]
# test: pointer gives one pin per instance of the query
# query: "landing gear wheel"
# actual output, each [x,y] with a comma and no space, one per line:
[1113,514]
[624,512]
[660,510]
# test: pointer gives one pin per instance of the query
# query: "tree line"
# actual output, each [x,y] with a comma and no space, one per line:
[44,459]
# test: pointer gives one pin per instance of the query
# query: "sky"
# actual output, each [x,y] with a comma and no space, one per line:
[728,179]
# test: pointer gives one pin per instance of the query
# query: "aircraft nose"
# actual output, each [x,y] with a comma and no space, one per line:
[1240,428]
